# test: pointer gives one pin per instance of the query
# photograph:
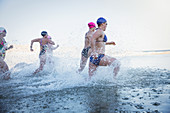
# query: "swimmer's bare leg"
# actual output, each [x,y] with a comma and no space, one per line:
[4,69]
[82,64]
[42,63]
[7,76]
[92,69]
[110,61]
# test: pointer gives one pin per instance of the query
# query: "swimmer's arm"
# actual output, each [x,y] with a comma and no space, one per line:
[10,47]
[6,45]
[110,43]
[51,42]
[53,48]
[32,41]
[86,39]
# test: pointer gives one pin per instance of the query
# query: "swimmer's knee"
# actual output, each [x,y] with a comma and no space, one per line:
[116,63]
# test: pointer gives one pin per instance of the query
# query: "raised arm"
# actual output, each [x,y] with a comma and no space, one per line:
[10,47]
[53,48]
[32,41]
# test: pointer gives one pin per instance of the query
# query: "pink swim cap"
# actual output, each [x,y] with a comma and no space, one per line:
[91,25]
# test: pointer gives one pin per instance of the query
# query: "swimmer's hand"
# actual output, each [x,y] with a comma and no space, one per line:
[10,47]
[113,43]
[31,49]
[57,46]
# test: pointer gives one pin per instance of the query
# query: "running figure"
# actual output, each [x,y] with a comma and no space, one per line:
[43,47]
[50,50]
[86,52]
[3,48]
[98,57]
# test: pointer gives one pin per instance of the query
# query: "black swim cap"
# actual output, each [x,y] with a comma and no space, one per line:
[43,33]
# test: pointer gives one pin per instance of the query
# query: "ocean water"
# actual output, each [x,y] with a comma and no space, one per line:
[142,85]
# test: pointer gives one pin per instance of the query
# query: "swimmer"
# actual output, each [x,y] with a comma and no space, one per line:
[50,50]
[44,41]
[86,52]
[3,48]
[98,57]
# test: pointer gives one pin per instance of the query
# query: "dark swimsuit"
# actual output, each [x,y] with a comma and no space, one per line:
[43,50]
[85,51]
[96,60]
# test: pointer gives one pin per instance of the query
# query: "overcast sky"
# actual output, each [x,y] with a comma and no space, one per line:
[139,24]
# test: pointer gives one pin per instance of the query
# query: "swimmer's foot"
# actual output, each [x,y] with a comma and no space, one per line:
[79,71]
[6,76]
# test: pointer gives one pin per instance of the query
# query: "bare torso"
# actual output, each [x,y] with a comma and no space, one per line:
[99,44]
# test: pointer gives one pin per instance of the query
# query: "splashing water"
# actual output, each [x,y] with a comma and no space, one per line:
[59,80]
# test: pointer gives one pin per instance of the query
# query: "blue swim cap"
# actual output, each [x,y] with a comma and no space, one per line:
[101,20]
[43,33]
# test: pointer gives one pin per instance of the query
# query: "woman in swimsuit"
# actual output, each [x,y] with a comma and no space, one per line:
[3,48]
[98,57]
[43,47]
[86,51]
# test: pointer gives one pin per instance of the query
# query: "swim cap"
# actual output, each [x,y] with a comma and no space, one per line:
[2,30]
[43,33]
[101,20]
[49,37]
[91,25]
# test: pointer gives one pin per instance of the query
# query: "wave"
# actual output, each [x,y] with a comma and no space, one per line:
[168,50]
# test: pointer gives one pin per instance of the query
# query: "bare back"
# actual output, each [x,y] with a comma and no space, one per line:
[88,37]
[42,41]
